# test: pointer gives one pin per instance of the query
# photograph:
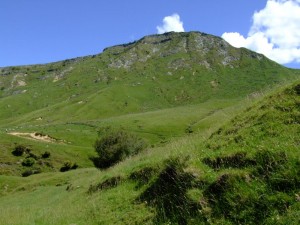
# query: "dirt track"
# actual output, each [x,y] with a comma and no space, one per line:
[34,136]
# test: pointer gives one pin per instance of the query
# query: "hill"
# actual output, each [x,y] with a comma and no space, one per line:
[159,71]
[160,87]
[222,126]
[246,172]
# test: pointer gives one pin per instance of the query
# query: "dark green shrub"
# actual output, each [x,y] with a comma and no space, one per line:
[74,166]
[189,130]
[32,155]
[297,89]
[28,162]
[114,146]
[27,173]
[19,150]
[46,155]
[68,166]
[30,172]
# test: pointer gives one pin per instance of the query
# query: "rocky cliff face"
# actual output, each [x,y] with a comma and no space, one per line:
[202,49]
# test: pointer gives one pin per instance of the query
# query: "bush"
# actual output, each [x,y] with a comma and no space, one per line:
[28,162]
[30,172]
[114,146]
[32,155]
[19,150]
[297,89]
[68,166]
[46,155]
[27,173]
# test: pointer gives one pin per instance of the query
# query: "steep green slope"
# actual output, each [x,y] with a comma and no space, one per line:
[246,172]
[256,159]
[158,71]
[159,87]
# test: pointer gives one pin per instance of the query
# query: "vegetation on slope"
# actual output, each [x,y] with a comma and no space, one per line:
[252,172]
[179,79]
[173,90]
[246,172]
[114,146]
[257,160]
[156,72]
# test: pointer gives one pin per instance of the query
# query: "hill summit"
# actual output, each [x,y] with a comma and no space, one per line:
[160,87]
[157,71]
[199,48]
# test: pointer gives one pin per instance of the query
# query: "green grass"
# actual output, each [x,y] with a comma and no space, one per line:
[230,194]
[157,128]
[223,136]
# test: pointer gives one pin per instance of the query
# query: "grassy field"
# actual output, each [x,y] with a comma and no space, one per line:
[245,172]
[222,127]
[160,87]
[76,139]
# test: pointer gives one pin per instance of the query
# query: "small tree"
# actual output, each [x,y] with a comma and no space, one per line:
[114,146]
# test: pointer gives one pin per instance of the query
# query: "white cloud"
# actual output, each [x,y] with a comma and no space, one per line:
[275,32]
[171,23]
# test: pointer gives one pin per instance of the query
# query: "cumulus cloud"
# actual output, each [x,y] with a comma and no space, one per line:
[275,32]
[171,23]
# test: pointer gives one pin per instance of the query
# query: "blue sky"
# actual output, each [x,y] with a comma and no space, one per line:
[35,31]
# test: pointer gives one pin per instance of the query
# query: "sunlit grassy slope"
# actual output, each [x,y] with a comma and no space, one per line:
[159,87]
[245,172]
[222,129]
[156,72]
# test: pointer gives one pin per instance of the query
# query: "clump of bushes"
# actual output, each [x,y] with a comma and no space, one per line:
[30,172]
[297,89]
[68,166]
[19,150]
[35,162]
[31,155]
[189,130]
[28,162]
[114,146]
[46,155]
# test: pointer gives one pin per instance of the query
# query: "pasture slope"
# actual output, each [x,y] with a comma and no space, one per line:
[222,126]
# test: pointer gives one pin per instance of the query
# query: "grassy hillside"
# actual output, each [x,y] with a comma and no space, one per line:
[245,172]
[221,123]
[75,140]
[158,87]
[155,72]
